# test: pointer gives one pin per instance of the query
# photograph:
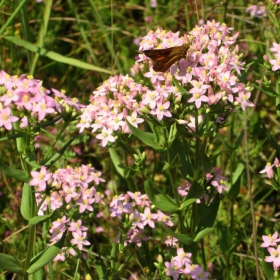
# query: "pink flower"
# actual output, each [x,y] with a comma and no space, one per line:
[274,257]
[276,162]
[170,241]
[275,63]
[270,240]
[153,3]
[161,110]
[24,122]
[6,119]
[106,136]
[40,178]
[85,204]
[198,98]
[269,170]
[172,269]
[9,97]
[257,11]
[61,255]
[164,219]
[148,218]
[77,227]
[134,120]
[198,273]
[275,48]
[79,240]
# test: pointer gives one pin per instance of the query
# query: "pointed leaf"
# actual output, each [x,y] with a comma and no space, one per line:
[209,218]
[11,264]
[53,55]
[206,163]
[149,190]
[172,133]
[147,138]
[202,234]
[46,256]
[174,164]
[26,202]
[37,219]
[184,238]
[179,87]
[186,167]
[161,201]
[14,173]
[193,195]
[165,203]
[117,162]
[50,161]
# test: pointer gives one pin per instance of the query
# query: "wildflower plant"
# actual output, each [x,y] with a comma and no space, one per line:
[157,128]
[176,115]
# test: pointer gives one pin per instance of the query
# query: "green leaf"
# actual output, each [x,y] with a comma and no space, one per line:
[99,270]
[11,264]
[158,131]
[46,256]
[31,158]
[184,238]
[238,172]
[194,194]
[161,201]
[13,136]
[149,190]
[14,173]
[172,133]
[186,167]
[147,138]
[37,219]
[53,55]
[26,202]
[210,214]
[202,233]
[165,203]
[271,92]
[179,87]
[41,275]
[117,162]
[51,160]
[206,163]
[268,270]
[174,164]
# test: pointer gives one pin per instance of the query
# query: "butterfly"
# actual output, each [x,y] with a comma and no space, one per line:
[163,59]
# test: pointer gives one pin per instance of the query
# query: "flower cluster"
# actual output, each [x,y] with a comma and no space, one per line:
[257,11]
[116,101]
[69,189]
[209,70]
[208,77]
[270,242]
[182,265]
[24,99]
[275,62]
[138,208]
[269,168]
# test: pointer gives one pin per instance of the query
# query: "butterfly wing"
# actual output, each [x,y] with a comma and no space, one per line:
[163,59]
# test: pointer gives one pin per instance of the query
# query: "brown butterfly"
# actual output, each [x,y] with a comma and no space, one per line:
[163,59]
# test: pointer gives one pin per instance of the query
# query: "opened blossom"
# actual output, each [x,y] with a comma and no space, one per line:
[6,119]
[268,170]
[270,240]
[40,178]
